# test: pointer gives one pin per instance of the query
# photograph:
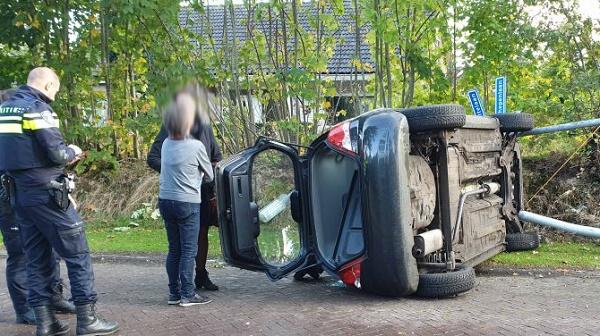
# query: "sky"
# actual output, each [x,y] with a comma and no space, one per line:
[587,8]
[590,8]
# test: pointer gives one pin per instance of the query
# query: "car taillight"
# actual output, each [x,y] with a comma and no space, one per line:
[350,273]
[340,138]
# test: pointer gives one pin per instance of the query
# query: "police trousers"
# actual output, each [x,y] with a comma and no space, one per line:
[46,228]
[16,273]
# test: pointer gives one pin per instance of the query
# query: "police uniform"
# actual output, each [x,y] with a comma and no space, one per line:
[16,275]
[34,154]
[16,261]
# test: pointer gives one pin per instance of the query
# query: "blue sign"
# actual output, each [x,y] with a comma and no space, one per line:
[476,104]
[500,95]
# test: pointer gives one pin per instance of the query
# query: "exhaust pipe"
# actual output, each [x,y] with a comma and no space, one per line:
[580,230]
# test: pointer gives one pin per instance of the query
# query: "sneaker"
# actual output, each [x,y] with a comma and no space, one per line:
[194,301]
[174,299]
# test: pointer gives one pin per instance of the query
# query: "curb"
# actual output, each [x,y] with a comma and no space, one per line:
[536,272]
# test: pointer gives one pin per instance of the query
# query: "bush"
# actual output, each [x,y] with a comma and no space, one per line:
[97,163]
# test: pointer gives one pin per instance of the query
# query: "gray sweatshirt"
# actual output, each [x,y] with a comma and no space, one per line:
[183,165]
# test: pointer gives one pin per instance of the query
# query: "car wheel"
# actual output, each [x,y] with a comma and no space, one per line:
[522,241]
[515,122]
[435,117]
[433,283]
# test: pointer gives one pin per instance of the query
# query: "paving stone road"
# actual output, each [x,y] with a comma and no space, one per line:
[249,304]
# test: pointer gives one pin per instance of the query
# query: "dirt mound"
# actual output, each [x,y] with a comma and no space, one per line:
[573,195]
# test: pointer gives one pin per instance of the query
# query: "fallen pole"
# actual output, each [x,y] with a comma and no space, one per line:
[580,230]
[563,127]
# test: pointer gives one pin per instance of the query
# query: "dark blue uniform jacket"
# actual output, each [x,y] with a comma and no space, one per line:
[32,148]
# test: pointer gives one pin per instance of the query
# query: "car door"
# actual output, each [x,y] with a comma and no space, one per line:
[262,209]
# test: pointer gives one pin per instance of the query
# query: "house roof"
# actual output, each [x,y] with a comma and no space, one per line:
[212,20]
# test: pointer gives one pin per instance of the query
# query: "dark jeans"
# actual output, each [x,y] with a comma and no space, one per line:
[182,222]
[46,228]
[16,262]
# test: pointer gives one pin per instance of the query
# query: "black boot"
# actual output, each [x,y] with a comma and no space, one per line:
[47,323]
[59,304]
[63,306]
[89,323]
[26,318]
[202,280]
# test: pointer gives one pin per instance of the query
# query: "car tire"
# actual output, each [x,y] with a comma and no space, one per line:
[522,241]
[435,117]
[444,284]
[515,122]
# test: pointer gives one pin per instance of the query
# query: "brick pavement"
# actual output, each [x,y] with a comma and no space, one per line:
[249,304]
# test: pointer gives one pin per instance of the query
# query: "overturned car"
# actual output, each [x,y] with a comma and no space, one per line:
[394,201]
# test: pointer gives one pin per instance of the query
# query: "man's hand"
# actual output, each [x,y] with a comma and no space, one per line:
[76,149]
[79,154]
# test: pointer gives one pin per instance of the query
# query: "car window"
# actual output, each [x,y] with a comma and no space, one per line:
[272,185]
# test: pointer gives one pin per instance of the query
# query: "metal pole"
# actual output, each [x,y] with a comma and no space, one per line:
[563,127]
[579,230]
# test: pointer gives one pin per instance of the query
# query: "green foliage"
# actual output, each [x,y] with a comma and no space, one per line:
[146,212]
[125,58]
[99,163]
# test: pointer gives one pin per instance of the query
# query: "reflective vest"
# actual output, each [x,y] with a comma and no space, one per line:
[21,116]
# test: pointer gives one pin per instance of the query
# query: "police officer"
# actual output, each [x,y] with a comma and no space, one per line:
[16,275]
[33,153]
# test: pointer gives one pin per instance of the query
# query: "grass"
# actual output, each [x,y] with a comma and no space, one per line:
[140,240]
[150,237]
[553,255]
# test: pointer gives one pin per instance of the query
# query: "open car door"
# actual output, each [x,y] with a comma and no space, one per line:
[262,211]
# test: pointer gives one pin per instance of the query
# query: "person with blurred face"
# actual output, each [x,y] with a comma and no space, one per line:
[184,165]
[202,130]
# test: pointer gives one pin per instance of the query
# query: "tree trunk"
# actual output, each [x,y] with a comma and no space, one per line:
[133,101]
[454,52]
[410,93]
[388,74]
[66,59]
[106,64]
